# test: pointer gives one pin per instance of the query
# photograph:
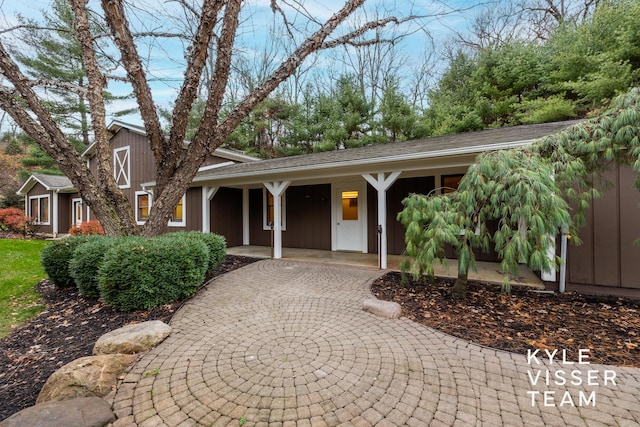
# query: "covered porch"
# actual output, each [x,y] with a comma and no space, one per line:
[486,271]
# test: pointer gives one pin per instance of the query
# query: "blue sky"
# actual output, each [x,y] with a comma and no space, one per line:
[166,67]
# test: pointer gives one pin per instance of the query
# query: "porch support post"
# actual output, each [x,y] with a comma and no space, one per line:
[381,184]
[207,195]
[246,238]
[277,189]
[54,218]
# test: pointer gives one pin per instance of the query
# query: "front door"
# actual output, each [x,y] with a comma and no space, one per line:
[77,212]
[349,216]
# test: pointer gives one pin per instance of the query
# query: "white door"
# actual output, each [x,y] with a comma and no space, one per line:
[349,213]
[77,212]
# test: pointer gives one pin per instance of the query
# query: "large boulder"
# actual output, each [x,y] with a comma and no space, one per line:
[132,339]
[386,309]
[87,376]
[83,411]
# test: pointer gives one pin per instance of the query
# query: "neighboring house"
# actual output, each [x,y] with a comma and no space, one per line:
[347,200]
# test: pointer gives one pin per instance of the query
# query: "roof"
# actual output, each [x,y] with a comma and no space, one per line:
[225,153]
[388,157]
[58,183]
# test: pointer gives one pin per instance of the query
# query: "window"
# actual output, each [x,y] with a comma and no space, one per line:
[39,209]
[122,167]
[268,212]
[143,205]
[450,183]
[349,205]
[178,218]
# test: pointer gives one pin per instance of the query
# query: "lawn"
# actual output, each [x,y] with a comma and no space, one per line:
[21,270]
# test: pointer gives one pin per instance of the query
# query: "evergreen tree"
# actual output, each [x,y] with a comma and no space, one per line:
[397,117]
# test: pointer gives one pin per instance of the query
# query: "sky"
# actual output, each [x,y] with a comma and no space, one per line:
[166,65]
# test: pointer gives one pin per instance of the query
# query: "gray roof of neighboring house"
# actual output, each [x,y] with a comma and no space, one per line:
[54,182]
[462,143]
[50,182]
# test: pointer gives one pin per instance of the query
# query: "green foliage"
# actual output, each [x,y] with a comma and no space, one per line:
[514,187]
[56,258]
[85,263]
[544,110]
[141,274]
[13,147]
[216,244]
[397,117]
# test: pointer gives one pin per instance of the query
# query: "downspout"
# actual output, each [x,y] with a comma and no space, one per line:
[563,265]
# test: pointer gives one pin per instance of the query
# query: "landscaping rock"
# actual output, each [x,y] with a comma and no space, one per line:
[84,377]
[84,412]
[386,309]
[132,339]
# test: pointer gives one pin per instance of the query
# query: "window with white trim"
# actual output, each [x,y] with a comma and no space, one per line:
[39,209]
[143,206]
[268,210]
[122,167]
[179,218]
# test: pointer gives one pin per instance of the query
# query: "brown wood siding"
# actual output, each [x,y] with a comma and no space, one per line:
[308,217]
[607,257]
[64,212]
[629,230]
[395,195]
[214,160]
[194,209]
[142,165]
[226,215]
[257,235]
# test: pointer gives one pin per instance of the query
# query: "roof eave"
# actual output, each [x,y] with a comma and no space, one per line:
[307,170]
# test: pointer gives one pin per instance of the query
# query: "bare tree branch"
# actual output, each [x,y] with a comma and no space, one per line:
[121,32]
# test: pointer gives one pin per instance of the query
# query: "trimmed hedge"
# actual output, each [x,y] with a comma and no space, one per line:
[86,261]
[142,274]
[56,257]
[216,243]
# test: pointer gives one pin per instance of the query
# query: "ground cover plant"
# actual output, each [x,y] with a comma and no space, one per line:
[21,270]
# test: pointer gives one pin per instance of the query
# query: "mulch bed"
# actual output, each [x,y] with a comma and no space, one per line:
[609,327]
[66,331]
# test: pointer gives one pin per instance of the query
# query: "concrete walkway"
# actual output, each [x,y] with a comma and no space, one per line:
[285,343]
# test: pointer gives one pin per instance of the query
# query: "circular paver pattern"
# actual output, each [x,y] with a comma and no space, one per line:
[286,343]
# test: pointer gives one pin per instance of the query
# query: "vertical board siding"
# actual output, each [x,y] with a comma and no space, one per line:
[226,215]
[308,217]
[629,230]
[606,235]
[608,256]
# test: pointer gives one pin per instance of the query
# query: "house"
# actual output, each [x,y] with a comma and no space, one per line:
[347,200]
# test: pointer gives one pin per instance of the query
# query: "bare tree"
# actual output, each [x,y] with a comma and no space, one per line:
[543,16]
[493,25]
[176,164]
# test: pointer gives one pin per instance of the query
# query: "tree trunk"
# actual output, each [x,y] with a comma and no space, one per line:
[459,289]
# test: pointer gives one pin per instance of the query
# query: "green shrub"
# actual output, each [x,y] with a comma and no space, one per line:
[142,274]
[85,262]
[56,258]
[217,245]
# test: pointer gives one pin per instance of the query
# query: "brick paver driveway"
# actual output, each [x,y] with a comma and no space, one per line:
[286,343]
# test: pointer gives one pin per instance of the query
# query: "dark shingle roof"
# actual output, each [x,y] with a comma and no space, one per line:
[462,143]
